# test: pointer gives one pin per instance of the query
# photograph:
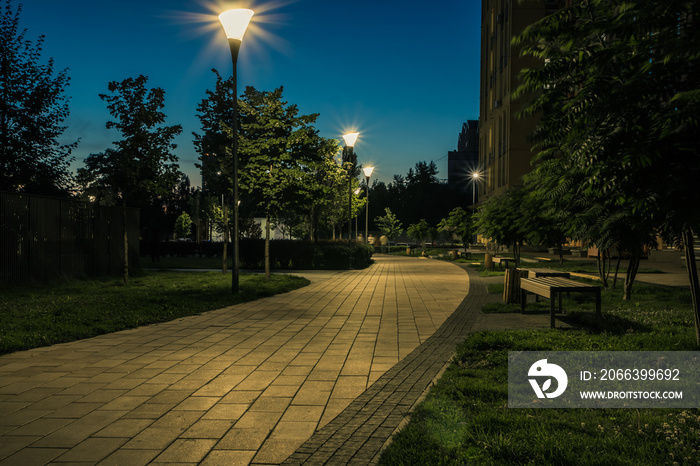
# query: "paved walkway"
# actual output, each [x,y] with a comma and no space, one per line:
[245,384]
[322,374]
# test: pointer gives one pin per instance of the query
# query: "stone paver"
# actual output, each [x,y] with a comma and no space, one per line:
[245,384]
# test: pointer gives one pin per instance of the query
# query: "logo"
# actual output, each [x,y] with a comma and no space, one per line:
[543,369]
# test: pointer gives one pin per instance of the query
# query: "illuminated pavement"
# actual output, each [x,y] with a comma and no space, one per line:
[248,383]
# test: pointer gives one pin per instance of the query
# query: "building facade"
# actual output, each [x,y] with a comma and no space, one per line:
[504,143]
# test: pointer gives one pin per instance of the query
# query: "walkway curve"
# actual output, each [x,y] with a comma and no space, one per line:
[244,384]
[358,434]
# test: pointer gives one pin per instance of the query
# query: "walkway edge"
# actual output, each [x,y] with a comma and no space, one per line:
[359,432]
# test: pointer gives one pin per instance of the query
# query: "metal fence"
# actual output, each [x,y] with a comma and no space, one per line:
[43,238]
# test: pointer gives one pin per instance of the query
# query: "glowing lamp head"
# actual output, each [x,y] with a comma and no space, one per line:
[368,171]
[476,175]
[350,139]
[235,22]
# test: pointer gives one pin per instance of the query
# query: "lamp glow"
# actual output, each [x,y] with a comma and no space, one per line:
[368,171]
[350,139]
[235,22]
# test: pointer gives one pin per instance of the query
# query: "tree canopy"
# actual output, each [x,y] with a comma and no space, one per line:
[141,166]
[618,95]
[33,108]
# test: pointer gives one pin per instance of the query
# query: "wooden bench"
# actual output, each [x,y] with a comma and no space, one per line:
[465,255]
[502,260]
[537,272]
[550,287]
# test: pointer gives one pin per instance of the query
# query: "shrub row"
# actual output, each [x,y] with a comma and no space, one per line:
[284,254]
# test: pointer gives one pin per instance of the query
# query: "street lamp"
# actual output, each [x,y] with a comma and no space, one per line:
[350,140]
[235,23]
[368,172]
[476,176]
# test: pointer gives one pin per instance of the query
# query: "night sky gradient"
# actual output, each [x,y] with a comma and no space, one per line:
[405,74]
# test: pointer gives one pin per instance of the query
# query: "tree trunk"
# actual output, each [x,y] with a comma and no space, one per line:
[267,246]
[561,254]
[601,268]
[631,275]
[693,278]
[126,244]
[617,269]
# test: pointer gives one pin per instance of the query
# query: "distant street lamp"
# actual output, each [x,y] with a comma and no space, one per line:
[350,140]
[235,23]
[476,176]
[368,172]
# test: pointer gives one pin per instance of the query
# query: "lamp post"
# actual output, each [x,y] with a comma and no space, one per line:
[350,140]
[235,23]
[357,192]
[368,172]
[476,176]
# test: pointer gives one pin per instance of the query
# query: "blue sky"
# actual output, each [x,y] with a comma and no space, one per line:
[405,74]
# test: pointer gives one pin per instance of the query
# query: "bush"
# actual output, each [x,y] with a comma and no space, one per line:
[284,254]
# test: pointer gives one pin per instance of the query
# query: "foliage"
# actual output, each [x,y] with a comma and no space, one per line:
[286,167]
[417,195]
[33,108]
[419,232]
[389,225]
[617,139]
[215,115]
[458,223]
[502,219]
[141,166]
[284,254]
[183,225]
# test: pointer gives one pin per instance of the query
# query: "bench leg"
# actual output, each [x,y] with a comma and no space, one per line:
[551,309]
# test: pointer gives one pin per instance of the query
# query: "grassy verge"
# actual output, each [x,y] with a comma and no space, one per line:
[41,315]
[465,418]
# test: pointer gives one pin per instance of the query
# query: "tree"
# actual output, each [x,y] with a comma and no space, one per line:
[618,98]
[417,195]
[459,223]
[419,232]
[33,107]
[183,225]
[284,162]
[216,118]
[142,166]
[501,219]
[389,225]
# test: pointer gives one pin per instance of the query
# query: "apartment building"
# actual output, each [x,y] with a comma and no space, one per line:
[504,145]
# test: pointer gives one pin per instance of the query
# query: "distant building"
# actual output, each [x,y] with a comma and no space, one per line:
[504,147]
[461,163]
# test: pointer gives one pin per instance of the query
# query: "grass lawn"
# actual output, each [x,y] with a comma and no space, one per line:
[465,418]
[45,314]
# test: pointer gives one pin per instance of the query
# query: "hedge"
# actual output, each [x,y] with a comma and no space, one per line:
[284,254]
